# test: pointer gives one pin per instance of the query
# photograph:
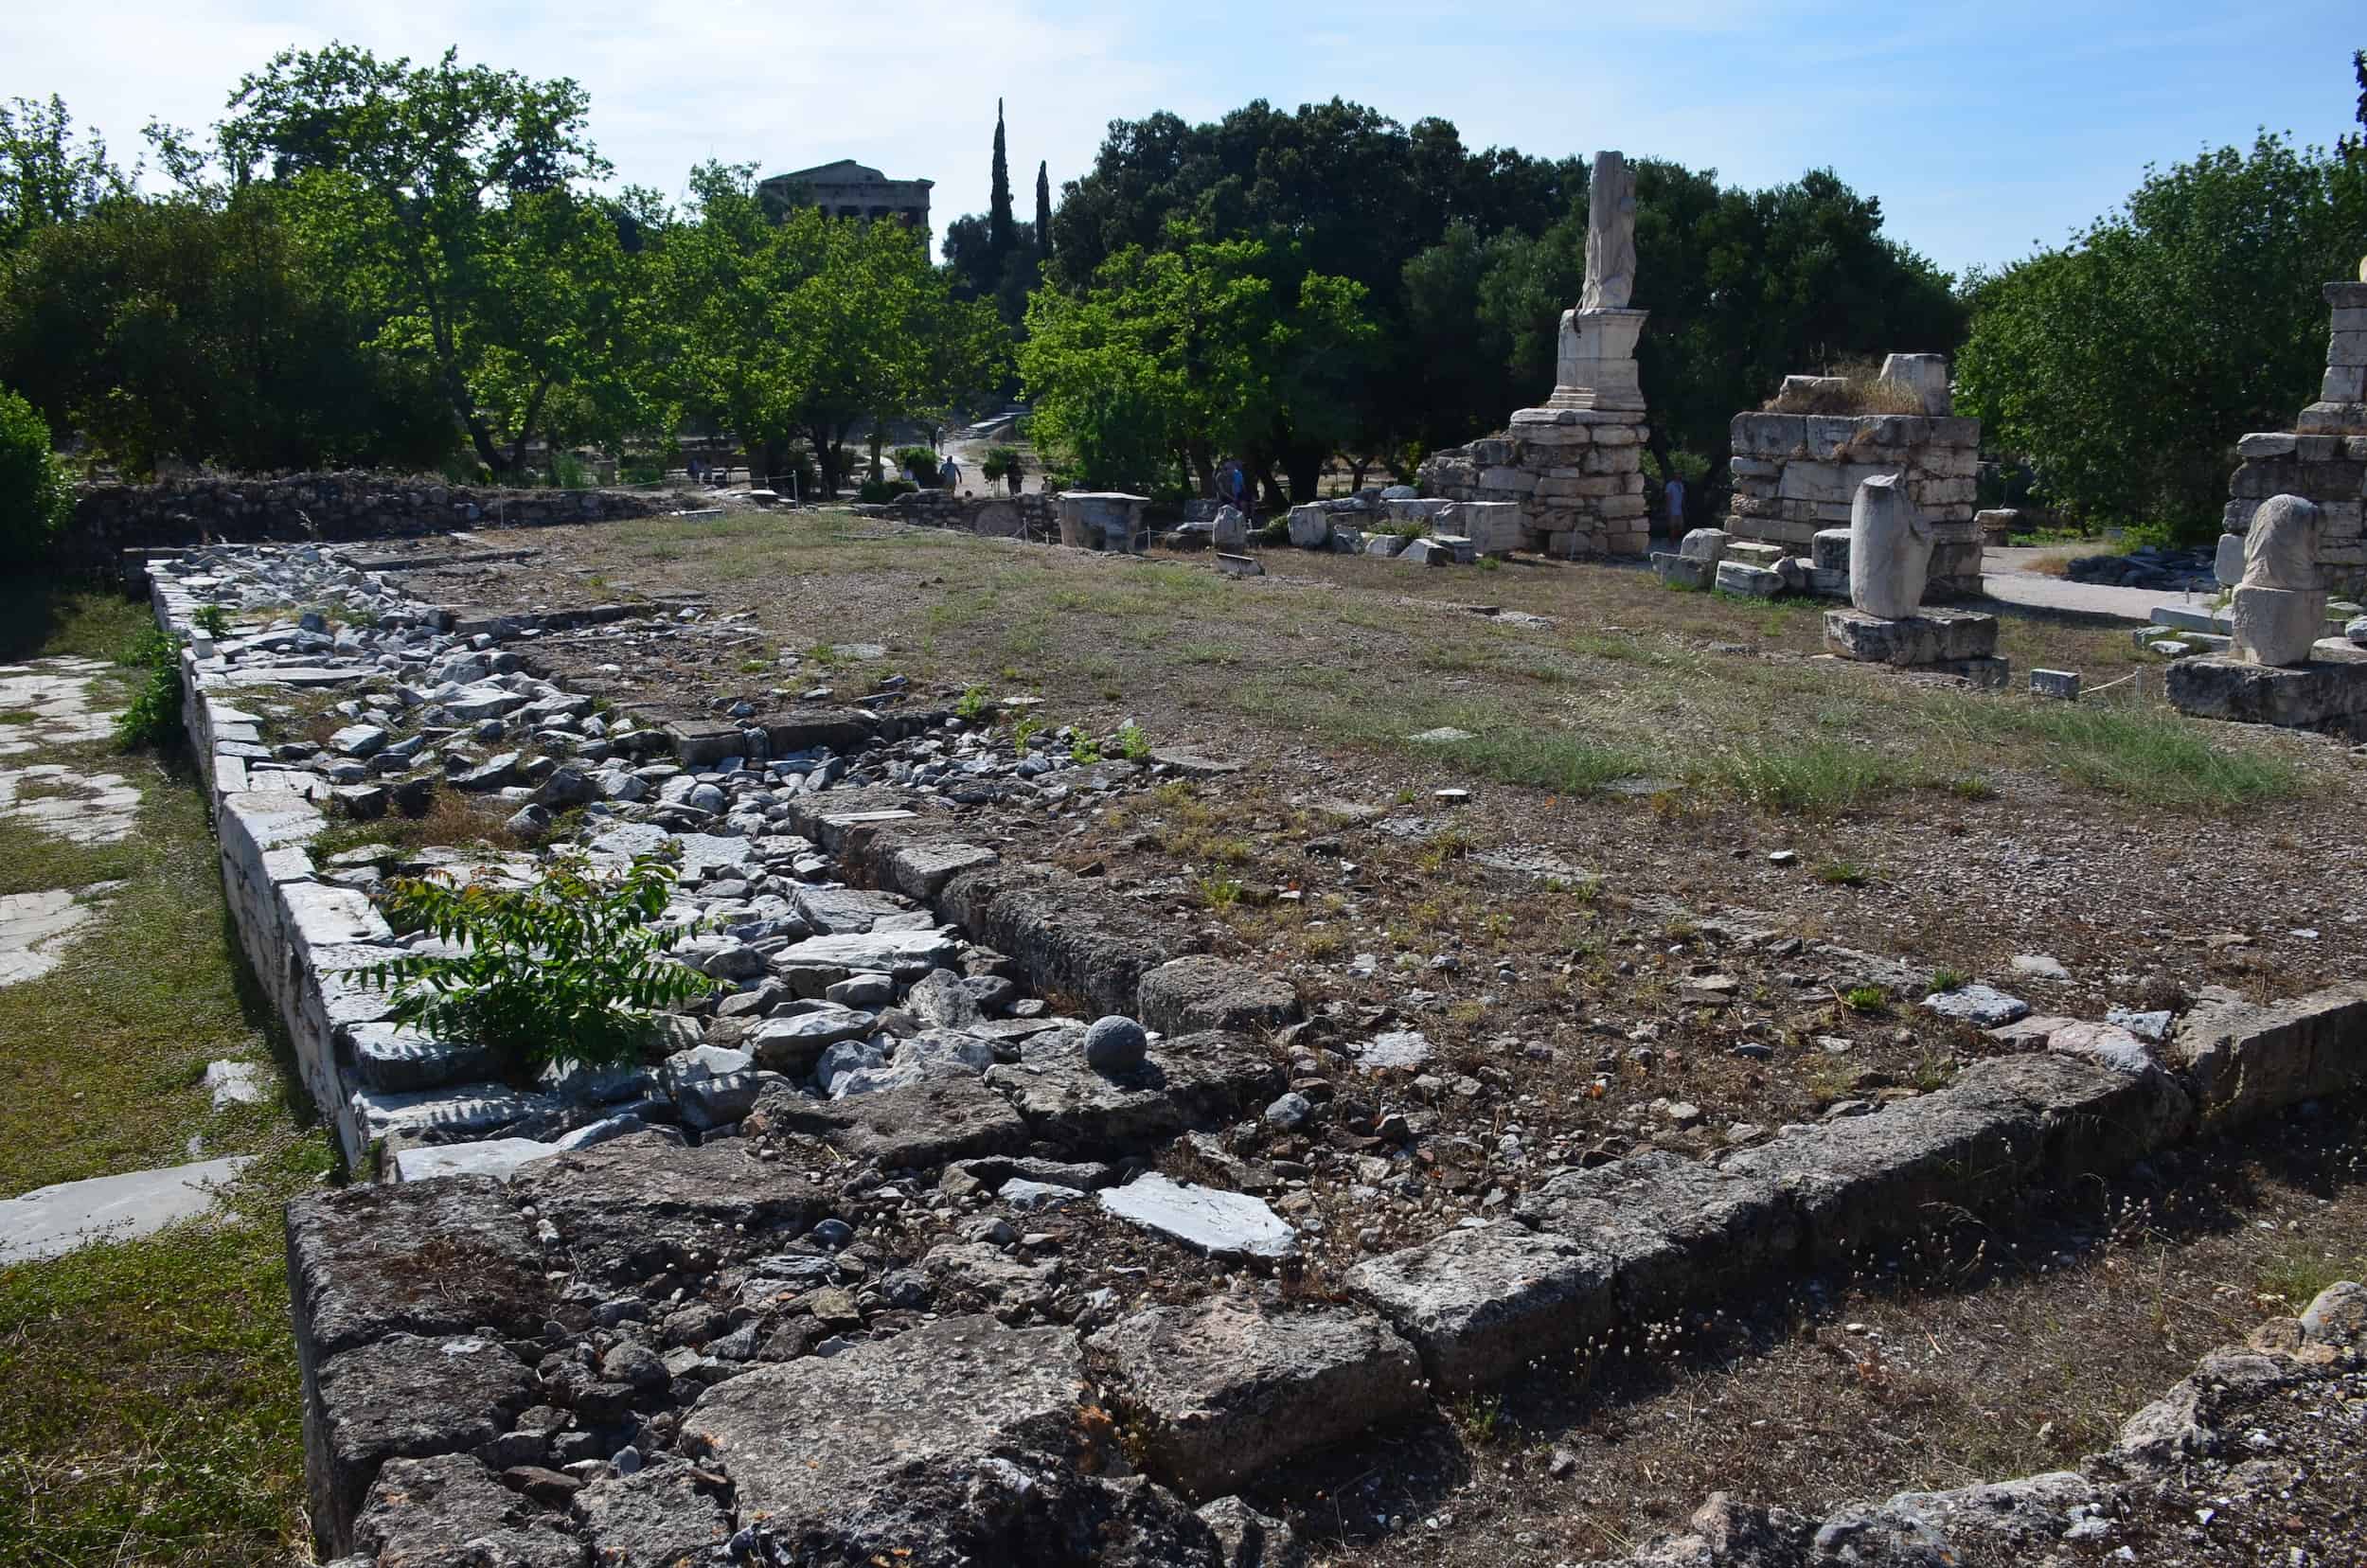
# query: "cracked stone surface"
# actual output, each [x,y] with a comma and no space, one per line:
[54,695]
[36,928]
[65,803]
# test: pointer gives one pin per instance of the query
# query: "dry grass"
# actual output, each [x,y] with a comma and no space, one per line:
[1848,390]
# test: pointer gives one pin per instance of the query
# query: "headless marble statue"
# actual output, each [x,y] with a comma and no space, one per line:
[1610,235]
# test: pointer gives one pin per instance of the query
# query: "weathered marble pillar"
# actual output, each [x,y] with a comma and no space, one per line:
[1890,550]
[2279,610]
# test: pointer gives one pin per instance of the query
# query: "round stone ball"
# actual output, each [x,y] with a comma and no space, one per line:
[1114,1043]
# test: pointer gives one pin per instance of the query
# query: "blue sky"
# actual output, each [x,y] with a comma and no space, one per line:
[1983,129]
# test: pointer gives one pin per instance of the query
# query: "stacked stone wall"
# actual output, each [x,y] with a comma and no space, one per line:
[175,513]
[2324,458]
[996,516]
[1796,474]
[1578,476]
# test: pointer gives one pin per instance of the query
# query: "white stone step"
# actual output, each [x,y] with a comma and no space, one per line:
[54,1219]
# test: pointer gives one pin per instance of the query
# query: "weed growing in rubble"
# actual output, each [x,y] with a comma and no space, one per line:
[153,718]
[568,970]
[1132,743]
[212,620]
[1025,731]
[1841,874]
[972,706]
[1865,999]
[1084,751]
[1948,979]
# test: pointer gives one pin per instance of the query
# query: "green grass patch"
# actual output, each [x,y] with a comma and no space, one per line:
[1810,776]
[157,1417]
[2158,759]
[51,617]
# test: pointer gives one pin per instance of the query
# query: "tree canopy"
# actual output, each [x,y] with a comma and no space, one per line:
[2125,364]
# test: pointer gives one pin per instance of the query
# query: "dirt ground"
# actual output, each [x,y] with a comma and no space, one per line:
[1641,868]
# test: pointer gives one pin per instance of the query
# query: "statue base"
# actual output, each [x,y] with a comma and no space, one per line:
[1595,367]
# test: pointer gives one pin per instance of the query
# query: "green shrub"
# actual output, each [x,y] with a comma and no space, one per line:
[878,492]
[921,461]
[1001,463]
[572,969]
[35,497]
[212,619]
[1132,743]
[153,718]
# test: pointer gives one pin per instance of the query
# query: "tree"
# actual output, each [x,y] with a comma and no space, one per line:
[445,198]
[1175,358]
[812,326]
[34,495]
[49,175]
[2125,364]
[1001,222]
[199,326]
[1043,209]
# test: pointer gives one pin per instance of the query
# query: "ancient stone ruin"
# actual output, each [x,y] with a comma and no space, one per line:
[1575,467]
[2323,457]
[1891,548]
[1797,473]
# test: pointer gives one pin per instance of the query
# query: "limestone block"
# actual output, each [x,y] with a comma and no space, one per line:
[1750,581]
[1310,526]
[2333,418]
[1890,550]
[1753,553]
[2062,685]
[2276,625]
[2318,449]
[1492,526]
[1231,531]
[2248,1058]
[1384,546]
[2346,348]
[1482,1303]
[2228,566]
[1223,1392]
[1704,544]
[1680,572]
[1928,637]
[1828,550]
[1926,374]
[1753,468]
[2280,547]
[1620,505]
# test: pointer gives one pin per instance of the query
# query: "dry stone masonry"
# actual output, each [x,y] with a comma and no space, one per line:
[880,1256]
[1575,467]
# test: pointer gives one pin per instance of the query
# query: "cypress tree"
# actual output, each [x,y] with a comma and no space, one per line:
[1043,212]
[999,218]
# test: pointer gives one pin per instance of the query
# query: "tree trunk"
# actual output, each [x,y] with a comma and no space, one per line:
[1356,472]
[1305,467]
[1201,465]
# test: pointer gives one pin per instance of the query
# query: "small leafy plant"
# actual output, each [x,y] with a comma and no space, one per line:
[572,969]
[212,619]
[1865,999]
[1132,743]
[974,705]
[1025,731]
[1084,751]
[153,718]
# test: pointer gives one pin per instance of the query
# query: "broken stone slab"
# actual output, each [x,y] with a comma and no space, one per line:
[2329,692]
[1480,1303]
[1984,1007]
[1200,992]
[453,1115]
[844,911]
[497,1157]
[918,1126]
[1207,1220]
[51,1221]
[1930,636]
[663,1513]
[1222,1393]
[906,954]
[1403,1050]
[234,1083]
[448,1511]
[1188,1082]
[1737,576]
[404,1396]
[1069,936]
[434,1258]
[1676,1230]
[635,1207]
[793,1044]
[396,1058]
[1680,571]
[714,1085]
[959,1441]
[921,870]
[2248,1059]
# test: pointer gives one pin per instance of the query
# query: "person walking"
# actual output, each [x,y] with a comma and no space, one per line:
[951,475]
[1673,493]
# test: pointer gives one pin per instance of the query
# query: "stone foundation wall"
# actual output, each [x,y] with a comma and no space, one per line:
[2324,458]
[996,516]
[174,513]
[1795,475]
[1578,476]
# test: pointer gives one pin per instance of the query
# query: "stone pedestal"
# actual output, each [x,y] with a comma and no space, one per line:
[1594,366]
[1959,642]
[1103,520]
[2327,693]
[2275,626]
